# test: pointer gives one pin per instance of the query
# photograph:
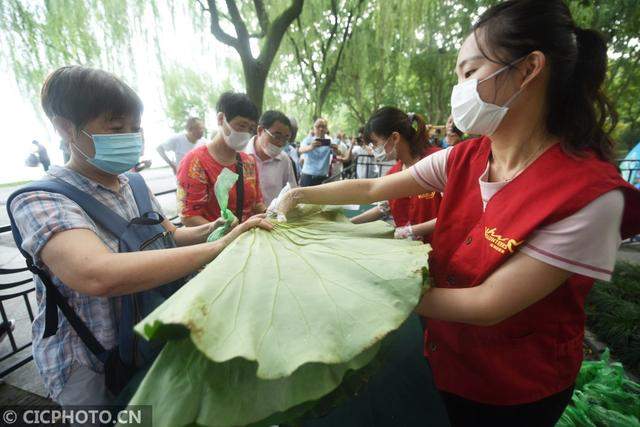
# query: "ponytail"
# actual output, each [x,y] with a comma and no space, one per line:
[387,120]
[420,138]
[585,117]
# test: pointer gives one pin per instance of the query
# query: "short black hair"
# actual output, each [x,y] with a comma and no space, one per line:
[268,118]
[237,104]
[81,94]
[192,121]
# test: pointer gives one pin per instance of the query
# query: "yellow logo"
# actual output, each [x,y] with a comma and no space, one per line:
[430,195]
[499,243]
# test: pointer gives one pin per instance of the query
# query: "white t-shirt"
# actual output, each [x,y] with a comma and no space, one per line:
[585,243]
[180,146]
[365,167]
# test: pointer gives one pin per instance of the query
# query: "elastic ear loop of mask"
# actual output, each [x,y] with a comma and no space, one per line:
[495,73]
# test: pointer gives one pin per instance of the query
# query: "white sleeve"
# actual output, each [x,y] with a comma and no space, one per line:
[291,178]
[586,242]
[431,172]
[170,144]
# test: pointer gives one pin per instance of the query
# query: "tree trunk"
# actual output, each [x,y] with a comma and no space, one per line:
[255,70]
[256,79]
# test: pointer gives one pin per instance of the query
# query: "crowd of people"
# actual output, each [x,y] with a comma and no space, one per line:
[518,231]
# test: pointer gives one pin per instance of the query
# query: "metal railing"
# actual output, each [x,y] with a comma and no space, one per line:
[629,168]
[364,165]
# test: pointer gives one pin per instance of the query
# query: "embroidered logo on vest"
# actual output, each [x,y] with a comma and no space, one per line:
[430,195]
[499,243]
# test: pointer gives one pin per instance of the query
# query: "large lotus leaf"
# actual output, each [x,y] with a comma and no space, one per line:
[315,289]
[185,387]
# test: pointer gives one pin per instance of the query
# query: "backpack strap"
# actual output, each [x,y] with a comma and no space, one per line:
[100,213]
[239,187]
[140,192]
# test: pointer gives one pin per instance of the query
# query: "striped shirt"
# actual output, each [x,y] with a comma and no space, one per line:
[39,215]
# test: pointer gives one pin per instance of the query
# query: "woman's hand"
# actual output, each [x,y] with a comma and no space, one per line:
[405,232]
[259,221]
[216,224]
[289,200]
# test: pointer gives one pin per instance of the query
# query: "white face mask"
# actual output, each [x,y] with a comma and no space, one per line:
[380,153]
[473,115]
[271,150]
[237,141]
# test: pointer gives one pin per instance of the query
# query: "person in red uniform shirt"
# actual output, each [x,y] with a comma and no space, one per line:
[532,213]
[402,137]
[199,169]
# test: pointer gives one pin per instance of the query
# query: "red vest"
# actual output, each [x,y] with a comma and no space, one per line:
[538,351]
[415,209]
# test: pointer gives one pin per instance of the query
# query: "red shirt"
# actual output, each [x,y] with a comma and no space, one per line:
[197,176]
[415,209]
[536,352]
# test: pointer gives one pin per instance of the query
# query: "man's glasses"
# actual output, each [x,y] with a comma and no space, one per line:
[278,137]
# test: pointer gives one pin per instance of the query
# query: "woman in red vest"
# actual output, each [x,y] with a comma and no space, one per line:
[393,132]
[533,212]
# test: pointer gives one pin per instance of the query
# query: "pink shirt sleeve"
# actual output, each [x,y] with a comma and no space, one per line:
[584,243]
[431,172]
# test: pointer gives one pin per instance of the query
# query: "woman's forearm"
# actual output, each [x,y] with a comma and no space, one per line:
[193,221]
[517,284]
[360,191]
[352,191]
[156,267]
[454,305]
[186,236]
[372,214]
[424,229]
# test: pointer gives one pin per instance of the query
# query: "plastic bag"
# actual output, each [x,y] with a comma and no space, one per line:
[224,183]
[604,396]
[32,161]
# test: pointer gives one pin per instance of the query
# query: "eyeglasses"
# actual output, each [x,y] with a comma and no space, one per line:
[280,138]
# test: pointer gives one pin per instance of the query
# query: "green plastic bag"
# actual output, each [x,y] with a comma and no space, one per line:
[223,185]
[604,396]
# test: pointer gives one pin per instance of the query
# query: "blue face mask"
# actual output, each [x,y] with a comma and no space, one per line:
[115,153]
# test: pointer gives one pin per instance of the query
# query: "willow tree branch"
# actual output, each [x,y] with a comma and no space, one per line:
[348,32]
[204,9]
[263,18]
[276,31]
[301,60]
[238,22]
[217,30]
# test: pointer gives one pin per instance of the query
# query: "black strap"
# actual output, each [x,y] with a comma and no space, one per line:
[55,300]
[239,187]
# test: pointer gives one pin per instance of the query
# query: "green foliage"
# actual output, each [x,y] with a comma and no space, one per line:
[395,53]
[318,41]
[603,396]
[613,313]
[38,37]
[619,21]
[187,93]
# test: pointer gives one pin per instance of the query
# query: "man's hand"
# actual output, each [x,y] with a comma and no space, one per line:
[259,221]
